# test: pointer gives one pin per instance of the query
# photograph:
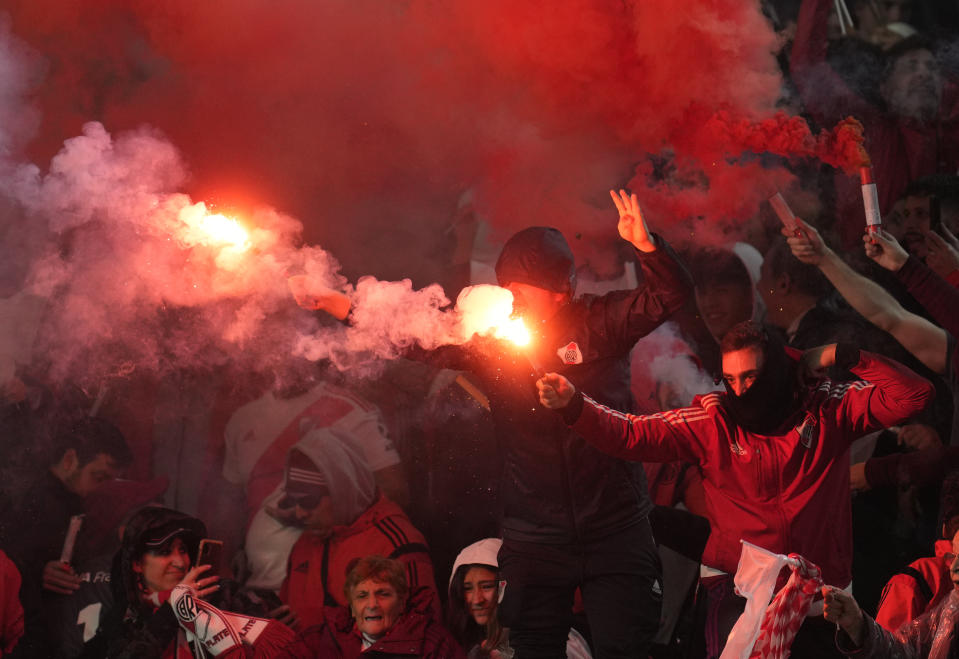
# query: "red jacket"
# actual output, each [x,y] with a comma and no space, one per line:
[415,634]
[317,567]
[906,598]
[787,492]
[11,613]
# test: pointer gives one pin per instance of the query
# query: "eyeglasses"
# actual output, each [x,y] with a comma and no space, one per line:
[306,501]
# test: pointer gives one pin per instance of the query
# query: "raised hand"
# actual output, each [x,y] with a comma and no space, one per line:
[202,587]
[555,391]
[632,227]
[806,243]
[941,255]
[885,250]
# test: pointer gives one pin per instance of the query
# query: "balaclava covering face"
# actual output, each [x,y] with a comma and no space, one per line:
[773,396]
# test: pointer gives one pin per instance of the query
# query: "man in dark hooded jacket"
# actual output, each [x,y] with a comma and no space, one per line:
[573,517]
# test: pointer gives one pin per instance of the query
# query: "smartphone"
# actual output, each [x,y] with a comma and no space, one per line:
[210,553]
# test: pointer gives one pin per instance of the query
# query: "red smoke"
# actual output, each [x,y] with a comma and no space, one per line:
[782,135]
[368,120]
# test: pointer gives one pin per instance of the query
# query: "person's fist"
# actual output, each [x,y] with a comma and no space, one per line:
[841,608]
[555,391]
[60,578]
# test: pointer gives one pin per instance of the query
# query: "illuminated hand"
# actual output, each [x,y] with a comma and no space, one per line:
[806,243]
[632,227]
[201,587]
[840,607]
[311,294]
[555,391]
[885,250]
[941,255]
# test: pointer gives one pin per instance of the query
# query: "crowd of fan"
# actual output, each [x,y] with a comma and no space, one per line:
[381,518]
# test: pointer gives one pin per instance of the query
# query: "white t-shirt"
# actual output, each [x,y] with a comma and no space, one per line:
[254,427]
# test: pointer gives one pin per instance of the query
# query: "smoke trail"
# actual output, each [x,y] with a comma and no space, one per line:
[384,114]
[673,365]
[367,121]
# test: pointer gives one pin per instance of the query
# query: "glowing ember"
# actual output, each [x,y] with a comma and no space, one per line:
[204,228]
[488,310]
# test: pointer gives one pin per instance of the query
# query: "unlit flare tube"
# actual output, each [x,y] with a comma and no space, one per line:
[784,212]
[870,200]
[71,540]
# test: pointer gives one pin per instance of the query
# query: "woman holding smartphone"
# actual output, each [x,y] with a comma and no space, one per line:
[159,594]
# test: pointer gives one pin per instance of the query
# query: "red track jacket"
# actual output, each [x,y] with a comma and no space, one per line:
[787,492]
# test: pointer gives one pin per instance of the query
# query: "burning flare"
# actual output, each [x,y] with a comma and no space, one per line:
[212,229]
[488,310]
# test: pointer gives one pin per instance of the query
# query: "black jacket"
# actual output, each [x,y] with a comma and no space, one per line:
[555,487]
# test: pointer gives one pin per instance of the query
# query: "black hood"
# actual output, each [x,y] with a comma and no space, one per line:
[773,396]
[538,256]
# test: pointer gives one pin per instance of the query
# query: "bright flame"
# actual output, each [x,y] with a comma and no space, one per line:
[513,329]
[488,310]
[204,228]
[223,229]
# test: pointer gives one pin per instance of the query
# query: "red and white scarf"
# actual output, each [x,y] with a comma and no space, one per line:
[786,613]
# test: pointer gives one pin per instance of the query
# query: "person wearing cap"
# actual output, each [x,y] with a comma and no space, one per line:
[773,450]
[161,600]
[572,516]
[471,611]
[330,493]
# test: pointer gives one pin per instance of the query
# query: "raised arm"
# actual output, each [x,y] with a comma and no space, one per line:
[627,316]
[887,394]
[665,437]
[933,292]
[920,337]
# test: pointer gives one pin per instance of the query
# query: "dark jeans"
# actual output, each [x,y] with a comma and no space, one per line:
[621,583]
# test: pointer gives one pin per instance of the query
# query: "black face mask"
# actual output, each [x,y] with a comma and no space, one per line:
[772,398]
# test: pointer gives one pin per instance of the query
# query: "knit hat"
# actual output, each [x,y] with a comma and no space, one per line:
[304,477]
[324,462]
[538,256]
